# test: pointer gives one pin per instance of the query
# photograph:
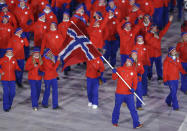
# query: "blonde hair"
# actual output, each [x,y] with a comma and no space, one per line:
[40,60]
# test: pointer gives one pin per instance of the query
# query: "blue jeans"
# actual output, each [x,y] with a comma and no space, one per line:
[123,59]
[129,100]
[111,51]
[158,64]
[9,91]
[144,81]
[157,17]
[35,91]
[19,74]
[165,16]
[2,52]
[179,6]
[27,52]
[184,78]
[172,97]
[48,84]
[139,93]
[92,90]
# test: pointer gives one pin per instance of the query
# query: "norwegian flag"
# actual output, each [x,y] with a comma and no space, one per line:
[77,48]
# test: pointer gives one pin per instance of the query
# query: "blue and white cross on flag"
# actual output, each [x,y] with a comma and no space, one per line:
[77,48]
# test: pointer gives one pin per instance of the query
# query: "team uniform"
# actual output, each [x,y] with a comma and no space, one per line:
[49,68]
[50,16]
[154,47]
[111,42]
[18,43]
[143,57]
[171,69]
[37,7]
[11,17]
[8,67]
[127,39]
[138,66]
[52,40]
[123,94]
[96,30]
[35,79]
[182,49]
[6,31]
[94,72]
[39,28]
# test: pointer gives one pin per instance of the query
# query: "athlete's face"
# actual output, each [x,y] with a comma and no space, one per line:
[128,63]
[134,56]
[184,37]
[9,53]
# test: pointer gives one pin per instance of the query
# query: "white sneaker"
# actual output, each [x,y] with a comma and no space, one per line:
[89,104]
[94,107]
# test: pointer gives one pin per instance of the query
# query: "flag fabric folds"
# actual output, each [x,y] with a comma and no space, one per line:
[77,48]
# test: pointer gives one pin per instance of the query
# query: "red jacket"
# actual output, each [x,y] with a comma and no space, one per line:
[39,28]
[97,7]
[129,75]
[12,4]
[63,27]
[146,6]
[12,18]
[49,68]
[59,3]
[182,49]
[139,70]
[8,67]
[18,43]
[52,40]
[6,31]
[154,44]
[23,16]
[94,68]
[110,29]
[127,38]
[158,3]
[145,29]
[134,15]
[32,70]
[38,6]
[118,14]
[143,56]
[50,17]
[171,69]
[96,32]
[123,7]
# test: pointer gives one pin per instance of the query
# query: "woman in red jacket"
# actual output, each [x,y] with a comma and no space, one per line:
[94,72]
[8,67]
[32,66]
[124,94]
[18,42]
[143,57]
[171,69]
[49,68]
[6,31]
[138,66]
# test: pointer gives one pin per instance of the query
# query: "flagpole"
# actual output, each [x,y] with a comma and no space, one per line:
[113,68]
[123,80]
